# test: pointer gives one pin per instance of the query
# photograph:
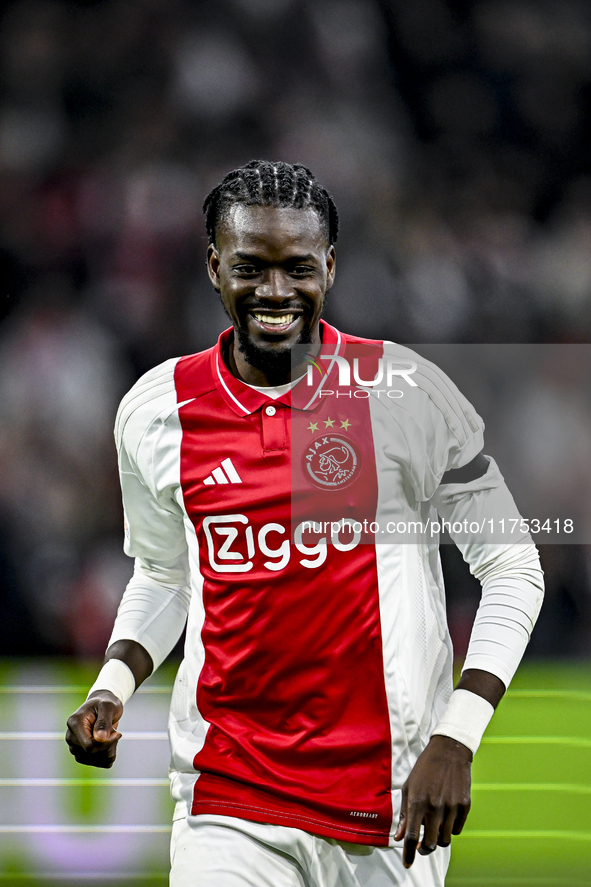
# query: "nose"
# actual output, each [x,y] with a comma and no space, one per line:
[275,286]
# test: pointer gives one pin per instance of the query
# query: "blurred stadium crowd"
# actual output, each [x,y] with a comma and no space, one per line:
[455,138]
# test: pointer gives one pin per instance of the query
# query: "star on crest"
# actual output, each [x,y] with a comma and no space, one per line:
[313,426]
[345,424]
[329,423]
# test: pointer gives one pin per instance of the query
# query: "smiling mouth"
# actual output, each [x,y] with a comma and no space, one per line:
[277,322]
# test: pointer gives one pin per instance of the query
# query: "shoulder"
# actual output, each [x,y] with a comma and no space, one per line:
[425,391]
[152,393]
[420,417]
[426,388]
[153,402]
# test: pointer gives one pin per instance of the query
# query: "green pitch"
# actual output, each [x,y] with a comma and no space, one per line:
[530,824]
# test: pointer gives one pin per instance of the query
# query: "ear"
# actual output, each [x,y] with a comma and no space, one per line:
[331,260]
[213,266]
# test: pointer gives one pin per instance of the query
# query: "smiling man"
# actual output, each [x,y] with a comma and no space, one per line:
[315,738]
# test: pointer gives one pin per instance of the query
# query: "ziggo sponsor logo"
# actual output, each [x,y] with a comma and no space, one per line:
[231,543]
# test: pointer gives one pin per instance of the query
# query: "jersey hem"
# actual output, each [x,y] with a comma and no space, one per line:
[293,820]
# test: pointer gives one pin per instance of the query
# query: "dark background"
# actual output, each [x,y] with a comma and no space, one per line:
[455,139]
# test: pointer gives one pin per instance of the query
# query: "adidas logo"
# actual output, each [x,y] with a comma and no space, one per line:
[219,476]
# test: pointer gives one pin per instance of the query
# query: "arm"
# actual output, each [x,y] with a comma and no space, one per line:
[437,792]
[149,622]
[155,604]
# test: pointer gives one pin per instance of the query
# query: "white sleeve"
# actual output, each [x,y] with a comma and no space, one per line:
[151,613]
[154,607]
[509,571]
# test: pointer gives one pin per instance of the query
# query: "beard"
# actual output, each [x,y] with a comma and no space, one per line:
[275,363]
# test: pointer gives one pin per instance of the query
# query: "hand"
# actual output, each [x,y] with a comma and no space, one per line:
[436,795]
[92,730]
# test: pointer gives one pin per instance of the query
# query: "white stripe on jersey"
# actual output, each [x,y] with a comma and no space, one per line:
[231,471]
[221,378]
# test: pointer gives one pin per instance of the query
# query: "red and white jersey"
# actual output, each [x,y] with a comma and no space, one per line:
[316,663]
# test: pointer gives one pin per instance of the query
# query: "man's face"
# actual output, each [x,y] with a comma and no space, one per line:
[272,267]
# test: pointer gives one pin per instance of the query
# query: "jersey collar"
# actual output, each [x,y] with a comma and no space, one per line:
[244,400]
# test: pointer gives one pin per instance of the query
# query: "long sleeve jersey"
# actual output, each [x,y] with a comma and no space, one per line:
[293,534]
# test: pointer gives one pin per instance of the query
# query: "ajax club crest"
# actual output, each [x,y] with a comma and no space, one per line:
[331,461]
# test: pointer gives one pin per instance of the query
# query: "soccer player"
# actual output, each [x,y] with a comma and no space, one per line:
[315,736]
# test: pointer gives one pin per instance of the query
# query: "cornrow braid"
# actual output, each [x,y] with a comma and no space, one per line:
[262,183]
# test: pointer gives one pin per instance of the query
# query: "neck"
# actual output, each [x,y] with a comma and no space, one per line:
[256,367]
[244,371]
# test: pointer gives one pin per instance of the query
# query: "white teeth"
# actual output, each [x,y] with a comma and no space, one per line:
[274,318]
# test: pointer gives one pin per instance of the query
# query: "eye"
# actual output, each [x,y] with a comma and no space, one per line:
[245,270]
[302,270]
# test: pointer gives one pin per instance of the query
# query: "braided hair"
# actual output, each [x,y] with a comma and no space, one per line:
[263,183]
